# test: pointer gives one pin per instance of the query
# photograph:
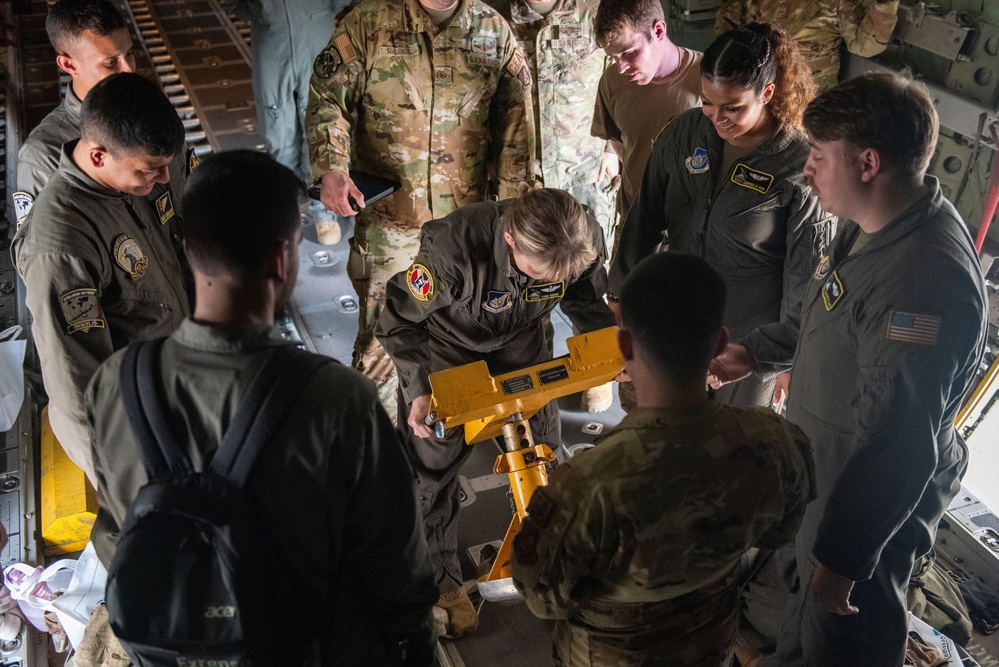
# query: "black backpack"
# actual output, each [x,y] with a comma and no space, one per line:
[188,584]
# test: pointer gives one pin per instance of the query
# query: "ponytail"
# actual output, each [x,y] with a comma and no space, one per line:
[758,54]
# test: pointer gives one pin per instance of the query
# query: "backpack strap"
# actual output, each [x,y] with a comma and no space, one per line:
[145,405]
[277,384]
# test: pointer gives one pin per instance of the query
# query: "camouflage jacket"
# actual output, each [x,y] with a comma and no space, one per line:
[396,96]
[101,269]
[644,533]
[566,64]
[819,27]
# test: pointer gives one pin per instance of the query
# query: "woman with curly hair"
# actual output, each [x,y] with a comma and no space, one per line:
[725,183]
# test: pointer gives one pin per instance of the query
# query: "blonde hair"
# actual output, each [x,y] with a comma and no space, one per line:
[550,228]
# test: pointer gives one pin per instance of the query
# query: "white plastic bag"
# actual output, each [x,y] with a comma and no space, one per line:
[85,592]
[11,376]
[70,588]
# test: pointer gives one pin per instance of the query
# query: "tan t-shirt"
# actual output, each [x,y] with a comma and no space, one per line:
[635,115]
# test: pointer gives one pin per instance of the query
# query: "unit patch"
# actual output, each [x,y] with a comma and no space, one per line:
[130,257]
[443,75]
[752,179]
[22,204]
[420,282]
[497,302]
[82,310]
[913,328]
[822,270]
[698,163]
[546,291]
[832,291]
[192,161]
[518,68]
[326,62]
[164,207]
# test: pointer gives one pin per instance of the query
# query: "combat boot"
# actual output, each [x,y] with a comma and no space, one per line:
[461,616]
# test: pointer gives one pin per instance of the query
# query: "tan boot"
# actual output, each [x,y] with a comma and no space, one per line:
[328,232]
[597,399]
[461,616]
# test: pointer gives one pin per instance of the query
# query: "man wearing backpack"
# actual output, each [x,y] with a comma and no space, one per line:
[347,576]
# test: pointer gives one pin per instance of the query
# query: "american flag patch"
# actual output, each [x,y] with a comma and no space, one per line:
[345,48]
[913,328]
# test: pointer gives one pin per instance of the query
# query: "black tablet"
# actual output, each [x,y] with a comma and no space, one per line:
[372,187]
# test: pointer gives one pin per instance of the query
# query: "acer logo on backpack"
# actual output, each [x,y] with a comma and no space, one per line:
[223,611]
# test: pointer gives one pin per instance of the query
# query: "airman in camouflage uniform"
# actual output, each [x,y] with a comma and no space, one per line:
[436,107]
[819,27]
[636,546]
[566,64]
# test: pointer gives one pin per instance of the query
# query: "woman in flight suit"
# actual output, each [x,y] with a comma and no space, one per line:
[485,281]
[725,183]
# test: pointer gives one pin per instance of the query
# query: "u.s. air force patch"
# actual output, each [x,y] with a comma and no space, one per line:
[130,257]
[22,204]
[547,291]
[164,207]
[420,282]
[81,310]
[698,163]
[751,178]
[497,302]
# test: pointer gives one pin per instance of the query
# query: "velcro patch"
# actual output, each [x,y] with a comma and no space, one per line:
[546,291]
[129,256]
[22,205]
[346,49]
[82,310]
[751,178]
[497,302]
[913,328]
[832,291]
[420,282]
[164,207]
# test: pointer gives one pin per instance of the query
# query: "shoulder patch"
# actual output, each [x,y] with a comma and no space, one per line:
[22,205]
[517,67]
[81,309]
[913,328]
[698,163]
[497,301]
[164,207]
[546,291]
[753,179]
[421,282]
[129,256]
[340,52]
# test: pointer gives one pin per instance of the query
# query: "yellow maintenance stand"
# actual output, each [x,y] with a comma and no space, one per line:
[490,407]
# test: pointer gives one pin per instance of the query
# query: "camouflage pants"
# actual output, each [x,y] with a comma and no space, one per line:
[696,635]
[600,201]
[100,648]
[377,254]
